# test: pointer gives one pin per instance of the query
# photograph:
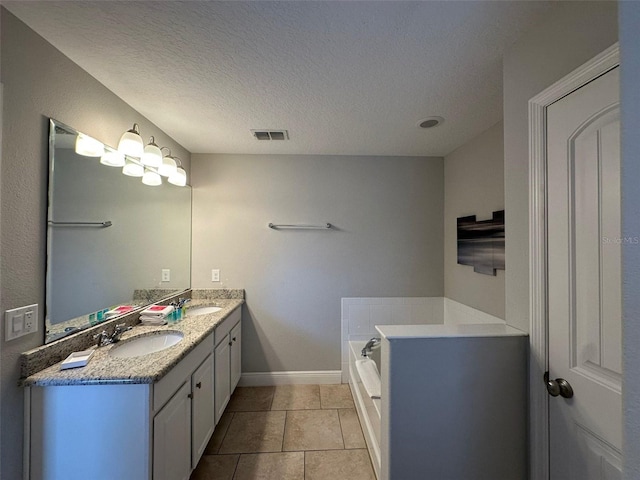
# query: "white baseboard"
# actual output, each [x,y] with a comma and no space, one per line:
[261,379]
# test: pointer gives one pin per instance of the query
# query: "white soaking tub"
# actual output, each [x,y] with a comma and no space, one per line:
[368,408]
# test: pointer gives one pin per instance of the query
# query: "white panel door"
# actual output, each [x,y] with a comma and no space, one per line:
[236,355]
[172,438]
[584,281]
[202,410]
[222,364]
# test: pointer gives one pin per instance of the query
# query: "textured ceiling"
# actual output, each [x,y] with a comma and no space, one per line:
[347,78]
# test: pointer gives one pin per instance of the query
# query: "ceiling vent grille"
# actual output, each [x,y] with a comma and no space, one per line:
[270,134]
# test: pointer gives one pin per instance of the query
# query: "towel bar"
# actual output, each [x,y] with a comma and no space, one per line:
[276,226]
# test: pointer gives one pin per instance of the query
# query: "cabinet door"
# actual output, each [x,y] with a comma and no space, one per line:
[172,438]
[202,409]
[223,382]
[236,355]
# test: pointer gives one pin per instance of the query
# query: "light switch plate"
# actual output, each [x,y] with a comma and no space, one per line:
[21,321]
[166,275]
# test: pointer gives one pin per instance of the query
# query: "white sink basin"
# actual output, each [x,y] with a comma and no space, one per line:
[192,312]
[146,344]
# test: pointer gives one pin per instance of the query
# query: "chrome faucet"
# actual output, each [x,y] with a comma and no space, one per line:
[371,344]
[180,303]
[103,338]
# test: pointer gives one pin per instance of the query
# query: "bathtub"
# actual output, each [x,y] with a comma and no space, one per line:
[368,408]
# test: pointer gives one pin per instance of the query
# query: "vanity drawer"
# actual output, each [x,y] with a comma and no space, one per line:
[225,327]
[167,386]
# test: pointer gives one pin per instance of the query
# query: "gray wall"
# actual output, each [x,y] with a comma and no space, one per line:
[575,33]
[388,241]
[630,79]
[473,185]
[39,82]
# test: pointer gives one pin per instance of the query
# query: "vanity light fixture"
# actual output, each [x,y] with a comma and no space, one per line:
[179,178]
[151,178]
[133,169]
[131,143]
[89,147]
[152,156]
[169,165]
[112,158]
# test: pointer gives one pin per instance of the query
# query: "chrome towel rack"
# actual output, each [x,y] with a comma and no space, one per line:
[277,226]
[105,224]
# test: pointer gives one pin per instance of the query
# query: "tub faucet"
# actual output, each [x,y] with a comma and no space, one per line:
[371,344]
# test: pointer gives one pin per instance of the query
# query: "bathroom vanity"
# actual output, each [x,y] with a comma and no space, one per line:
[144,417]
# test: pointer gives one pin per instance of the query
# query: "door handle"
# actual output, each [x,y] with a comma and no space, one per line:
[199,384]
[559,386]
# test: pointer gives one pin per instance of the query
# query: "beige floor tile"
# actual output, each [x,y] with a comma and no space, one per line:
[215,467]
[218,434]
[312,430]
[296,397]
[254,432]
[336,396]
[351,430]
[338,464]
[251,399]
[271,466]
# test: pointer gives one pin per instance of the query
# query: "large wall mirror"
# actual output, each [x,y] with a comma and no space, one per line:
[111,240]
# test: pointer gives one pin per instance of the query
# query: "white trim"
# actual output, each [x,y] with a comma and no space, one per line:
[261,379]
[538,362]
[26,441]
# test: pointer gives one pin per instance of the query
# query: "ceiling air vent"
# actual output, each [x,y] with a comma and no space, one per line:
[270,134]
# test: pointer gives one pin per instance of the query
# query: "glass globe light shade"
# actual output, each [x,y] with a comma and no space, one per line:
[112,158]
[168,167]
[179,178]
[152,156]
[131,143]
[151,178]
[89,147]
[133,169]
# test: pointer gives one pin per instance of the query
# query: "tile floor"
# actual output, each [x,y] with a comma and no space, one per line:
[289,432]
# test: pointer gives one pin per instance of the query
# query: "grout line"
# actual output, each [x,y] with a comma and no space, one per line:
[272,398]
[344,445]
[233,414]
[235,469]
[284,430]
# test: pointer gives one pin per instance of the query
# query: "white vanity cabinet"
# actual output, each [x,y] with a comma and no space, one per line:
[121,429]
[183,427]
[227,361]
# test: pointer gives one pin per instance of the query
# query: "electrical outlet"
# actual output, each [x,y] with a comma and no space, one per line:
[31,320]
[215,275]
[21,321]
[166,275]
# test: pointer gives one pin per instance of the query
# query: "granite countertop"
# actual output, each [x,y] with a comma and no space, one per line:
[105,369]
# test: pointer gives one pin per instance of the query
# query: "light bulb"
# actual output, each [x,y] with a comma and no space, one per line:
[131,143]
[89,147]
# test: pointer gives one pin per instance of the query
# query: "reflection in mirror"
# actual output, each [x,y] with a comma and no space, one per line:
[111,240]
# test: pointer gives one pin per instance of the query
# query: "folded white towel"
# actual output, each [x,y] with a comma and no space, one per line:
[370,377]
[160,311]
[152,321]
